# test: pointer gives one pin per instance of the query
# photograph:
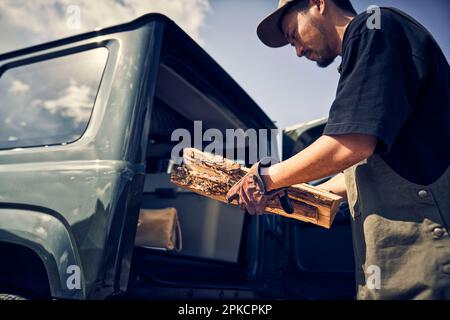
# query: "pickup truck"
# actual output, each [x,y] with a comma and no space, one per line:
[85,143]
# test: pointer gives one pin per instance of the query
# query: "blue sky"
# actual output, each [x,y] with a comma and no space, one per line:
[292,90]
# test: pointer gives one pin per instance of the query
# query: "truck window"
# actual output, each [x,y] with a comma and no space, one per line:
[49,102]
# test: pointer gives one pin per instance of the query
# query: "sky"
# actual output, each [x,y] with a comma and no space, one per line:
[290,90]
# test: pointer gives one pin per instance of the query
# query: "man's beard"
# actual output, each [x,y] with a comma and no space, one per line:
[326,55]
[325,62]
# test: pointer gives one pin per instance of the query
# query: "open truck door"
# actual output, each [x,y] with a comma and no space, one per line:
[321,261]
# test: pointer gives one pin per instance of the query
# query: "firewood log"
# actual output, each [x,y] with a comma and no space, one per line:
[212,176]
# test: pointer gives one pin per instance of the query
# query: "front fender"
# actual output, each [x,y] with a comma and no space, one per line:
[46,233]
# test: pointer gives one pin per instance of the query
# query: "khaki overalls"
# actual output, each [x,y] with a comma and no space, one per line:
[400,233]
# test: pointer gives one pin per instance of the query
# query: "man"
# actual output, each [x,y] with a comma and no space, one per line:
[387,141]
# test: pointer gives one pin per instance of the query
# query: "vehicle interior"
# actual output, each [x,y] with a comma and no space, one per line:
[214,249]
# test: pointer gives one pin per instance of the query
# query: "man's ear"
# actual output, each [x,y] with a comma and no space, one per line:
[320,5]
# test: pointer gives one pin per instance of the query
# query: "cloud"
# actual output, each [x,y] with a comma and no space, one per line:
[75,103]
[18,87]
[24,23]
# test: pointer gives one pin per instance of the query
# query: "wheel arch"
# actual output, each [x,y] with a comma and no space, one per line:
[46,235]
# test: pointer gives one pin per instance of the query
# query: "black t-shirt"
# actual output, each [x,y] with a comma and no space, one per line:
[395,85]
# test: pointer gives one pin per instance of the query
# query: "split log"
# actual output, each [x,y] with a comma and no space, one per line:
[212,176]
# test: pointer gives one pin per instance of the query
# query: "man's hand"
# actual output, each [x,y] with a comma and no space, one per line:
[335,185]
[252,194]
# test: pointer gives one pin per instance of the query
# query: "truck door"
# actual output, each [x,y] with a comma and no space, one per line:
[321,263]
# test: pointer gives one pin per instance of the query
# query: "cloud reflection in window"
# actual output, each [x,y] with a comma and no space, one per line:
[49,102]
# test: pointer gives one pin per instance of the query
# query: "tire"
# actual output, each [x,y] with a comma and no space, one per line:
[10,297]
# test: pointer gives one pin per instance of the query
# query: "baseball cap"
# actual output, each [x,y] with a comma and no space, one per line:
[269,31]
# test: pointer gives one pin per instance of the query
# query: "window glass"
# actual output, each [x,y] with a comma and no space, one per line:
[51,101]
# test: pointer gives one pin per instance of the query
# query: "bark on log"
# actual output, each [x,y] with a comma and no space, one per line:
[212,176]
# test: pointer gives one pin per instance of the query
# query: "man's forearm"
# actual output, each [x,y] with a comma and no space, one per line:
[327,156]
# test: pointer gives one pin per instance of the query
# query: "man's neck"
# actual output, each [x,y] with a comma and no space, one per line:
[341,25]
